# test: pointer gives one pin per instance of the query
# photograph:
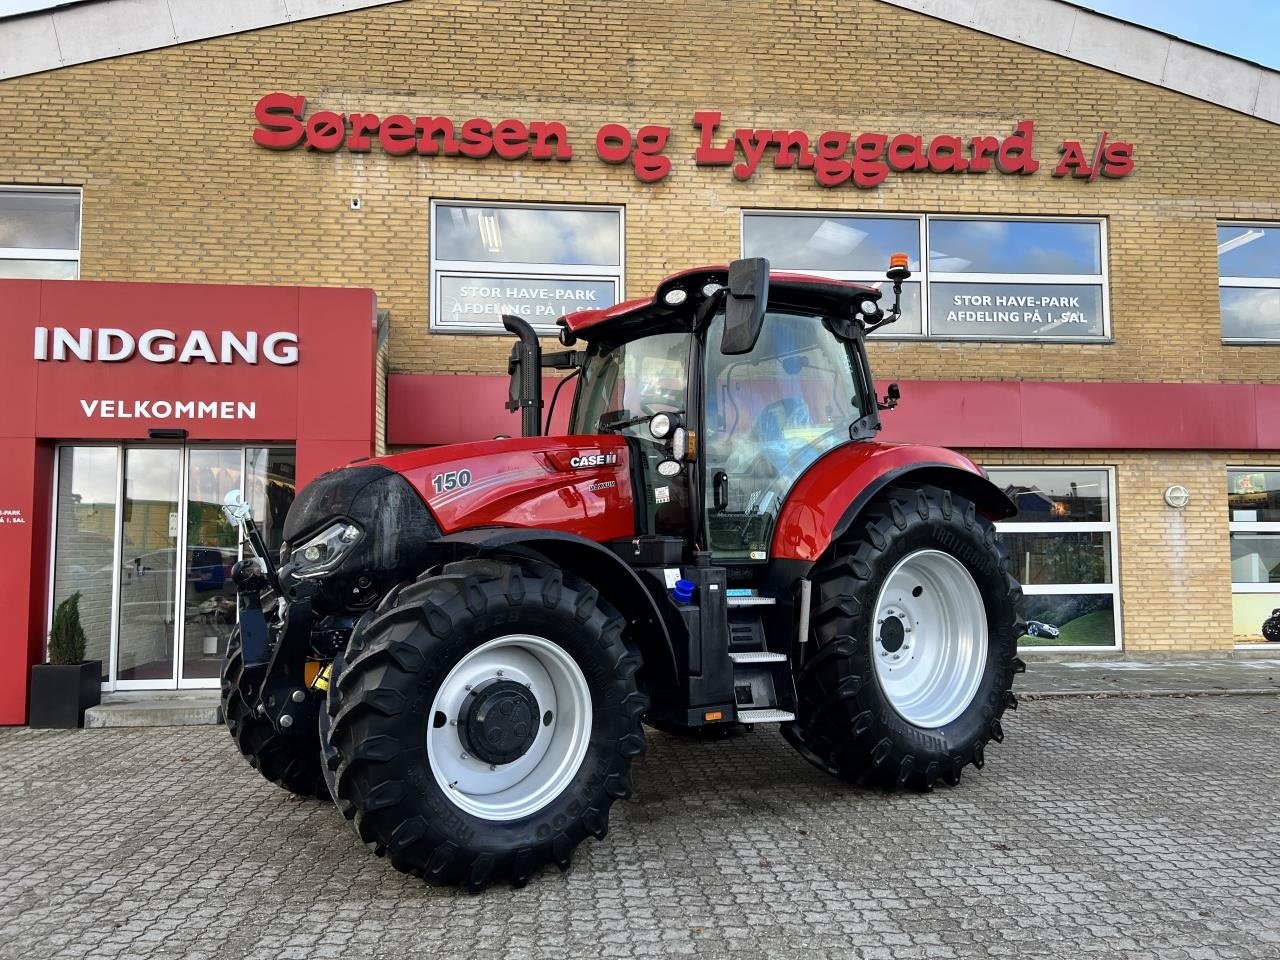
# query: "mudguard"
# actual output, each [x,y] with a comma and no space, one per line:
[597,565]
[829,495]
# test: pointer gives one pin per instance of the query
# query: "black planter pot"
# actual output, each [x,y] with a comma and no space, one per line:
[61,694]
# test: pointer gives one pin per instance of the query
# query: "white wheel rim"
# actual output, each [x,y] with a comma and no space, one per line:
[930,664]
[524,786]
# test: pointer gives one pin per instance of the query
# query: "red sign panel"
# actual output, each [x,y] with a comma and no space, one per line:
[87,360]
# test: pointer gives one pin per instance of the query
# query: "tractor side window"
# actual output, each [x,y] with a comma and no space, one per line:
[769,415]
[623,385]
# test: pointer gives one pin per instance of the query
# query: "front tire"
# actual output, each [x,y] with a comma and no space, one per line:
[291,762]
[913,644]
[485,722]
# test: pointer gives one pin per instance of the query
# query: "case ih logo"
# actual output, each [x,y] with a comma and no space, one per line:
[835,157]
[593,460]
[111,345]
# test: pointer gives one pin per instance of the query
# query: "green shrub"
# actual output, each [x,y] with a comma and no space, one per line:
[67,639]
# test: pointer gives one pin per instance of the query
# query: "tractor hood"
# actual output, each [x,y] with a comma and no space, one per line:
[579,485]
[357,531]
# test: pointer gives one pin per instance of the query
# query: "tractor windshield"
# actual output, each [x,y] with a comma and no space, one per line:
[770,414]
[624,385]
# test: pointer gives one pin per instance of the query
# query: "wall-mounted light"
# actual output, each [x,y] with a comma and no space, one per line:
[167,433]
[1177,496]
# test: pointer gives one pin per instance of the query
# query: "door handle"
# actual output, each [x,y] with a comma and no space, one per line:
[719,491]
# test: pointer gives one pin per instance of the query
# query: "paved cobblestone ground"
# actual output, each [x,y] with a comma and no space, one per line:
[1135,828]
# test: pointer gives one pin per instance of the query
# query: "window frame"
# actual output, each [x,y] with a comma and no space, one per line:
[1251,526]
[926,277]
[1089,526]
[65,255]
[439,269]
[1255,283]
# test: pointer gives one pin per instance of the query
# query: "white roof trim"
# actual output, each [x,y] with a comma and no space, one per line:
[1121,47]
[85,32]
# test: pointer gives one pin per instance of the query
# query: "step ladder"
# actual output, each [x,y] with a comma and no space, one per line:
[763,688]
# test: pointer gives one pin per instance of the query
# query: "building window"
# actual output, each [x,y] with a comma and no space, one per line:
[1253,499]
[39,233]
[1249,282]
[536,262]
[1062,549]
[985,278]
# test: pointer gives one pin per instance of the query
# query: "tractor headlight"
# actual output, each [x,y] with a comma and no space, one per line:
[323,552]
[660,426]
[684,444]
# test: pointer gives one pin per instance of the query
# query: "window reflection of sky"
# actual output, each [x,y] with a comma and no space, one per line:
[956,246]
[527,235]
[1249,251]
[1250,313]
[1014,246]
[45,221]
[830,243]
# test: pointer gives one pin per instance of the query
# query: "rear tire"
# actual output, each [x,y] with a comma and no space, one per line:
[411,783]
[291,762]
[910,706]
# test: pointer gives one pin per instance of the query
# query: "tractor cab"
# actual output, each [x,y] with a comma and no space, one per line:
[728,384]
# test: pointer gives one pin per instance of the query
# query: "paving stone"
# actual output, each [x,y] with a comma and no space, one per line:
[1142,828]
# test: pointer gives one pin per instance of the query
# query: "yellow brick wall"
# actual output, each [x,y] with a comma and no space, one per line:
[176,190]
[1174,565]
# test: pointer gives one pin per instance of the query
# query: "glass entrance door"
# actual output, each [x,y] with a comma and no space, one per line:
[209,596]
[139,535]
[146,629]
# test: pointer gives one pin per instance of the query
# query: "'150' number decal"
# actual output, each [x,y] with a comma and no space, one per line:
[452,480]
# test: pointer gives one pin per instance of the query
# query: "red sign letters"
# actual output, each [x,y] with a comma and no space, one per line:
[836,157]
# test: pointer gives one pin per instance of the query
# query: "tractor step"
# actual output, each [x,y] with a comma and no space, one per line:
[762,683]
[749,600]
[765,716]
[757,656]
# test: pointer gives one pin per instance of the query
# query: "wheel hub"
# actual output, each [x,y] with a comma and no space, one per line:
[929,638]
[894,627]
[498,721]
[892,634]
[509,727]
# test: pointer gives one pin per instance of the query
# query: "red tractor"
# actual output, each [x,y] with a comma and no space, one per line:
[460,645]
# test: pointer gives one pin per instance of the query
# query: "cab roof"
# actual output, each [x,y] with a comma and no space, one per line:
[632,317]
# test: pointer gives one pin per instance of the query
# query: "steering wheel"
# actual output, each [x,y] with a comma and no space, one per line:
[649,407]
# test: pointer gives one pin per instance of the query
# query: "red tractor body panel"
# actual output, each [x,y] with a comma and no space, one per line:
[579,485]
[822,497]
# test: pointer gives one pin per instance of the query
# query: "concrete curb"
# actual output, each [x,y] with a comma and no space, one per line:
[174,712]
[1140,694]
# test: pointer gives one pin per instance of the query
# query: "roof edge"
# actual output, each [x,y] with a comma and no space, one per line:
[1128,49]
[85,32]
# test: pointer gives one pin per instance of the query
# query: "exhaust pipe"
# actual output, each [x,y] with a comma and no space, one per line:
[525,370]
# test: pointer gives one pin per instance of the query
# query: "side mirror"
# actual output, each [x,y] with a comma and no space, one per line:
[891,397]
[748,297]
[235,509]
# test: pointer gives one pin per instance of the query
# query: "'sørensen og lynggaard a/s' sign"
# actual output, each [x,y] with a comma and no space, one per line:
[835,157]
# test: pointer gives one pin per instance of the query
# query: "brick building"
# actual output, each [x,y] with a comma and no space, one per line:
[1092,212]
